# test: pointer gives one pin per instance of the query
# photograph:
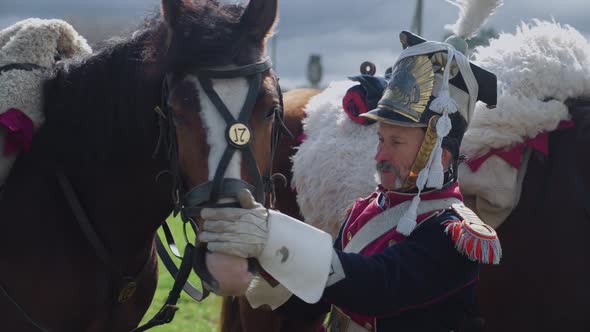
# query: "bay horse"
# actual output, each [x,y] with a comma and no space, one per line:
[541,283]
[200,66]
[237,315]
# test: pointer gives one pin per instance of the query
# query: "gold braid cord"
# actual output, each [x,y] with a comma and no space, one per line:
[423,155]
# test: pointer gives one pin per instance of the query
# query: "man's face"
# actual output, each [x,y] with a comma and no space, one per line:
[397,149]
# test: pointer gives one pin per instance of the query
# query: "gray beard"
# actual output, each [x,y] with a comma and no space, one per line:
[397,185]
[385,165]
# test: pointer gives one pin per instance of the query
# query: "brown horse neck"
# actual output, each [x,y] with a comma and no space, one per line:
[126,207]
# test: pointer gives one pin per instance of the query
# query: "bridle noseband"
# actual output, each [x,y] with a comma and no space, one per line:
[238,137]
[189,203]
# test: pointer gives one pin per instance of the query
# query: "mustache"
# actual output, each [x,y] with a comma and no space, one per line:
[383,165]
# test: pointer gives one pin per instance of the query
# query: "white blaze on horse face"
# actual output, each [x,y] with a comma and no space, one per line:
[233,93]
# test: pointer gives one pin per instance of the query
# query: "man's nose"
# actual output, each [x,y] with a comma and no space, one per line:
[380,155]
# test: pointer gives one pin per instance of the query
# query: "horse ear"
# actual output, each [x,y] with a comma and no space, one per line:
[172,10]
[260,17]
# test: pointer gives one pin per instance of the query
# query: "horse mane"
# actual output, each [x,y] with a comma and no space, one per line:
[101,106]
[91,103]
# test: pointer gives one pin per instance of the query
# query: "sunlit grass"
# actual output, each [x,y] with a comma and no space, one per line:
[191,316]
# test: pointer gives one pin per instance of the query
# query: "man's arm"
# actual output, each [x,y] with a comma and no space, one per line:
[424,268]
[421,268]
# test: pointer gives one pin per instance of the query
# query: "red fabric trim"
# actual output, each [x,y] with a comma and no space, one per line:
[19,131]
[300,138]
[513,155]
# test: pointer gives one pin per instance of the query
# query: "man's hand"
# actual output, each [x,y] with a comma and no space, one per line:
[240,232]
[230,272]
[295,254]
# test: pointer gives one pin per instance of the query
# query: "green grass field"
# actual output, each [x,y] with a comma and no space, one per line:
[191,316]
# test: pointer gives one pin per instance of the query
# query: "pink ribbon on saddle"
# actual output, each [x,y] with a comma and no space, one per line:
[19,129]
[513,156]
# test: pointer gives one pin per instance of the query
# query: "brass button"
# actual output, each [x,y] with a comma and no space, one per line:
[391,242]
[349,236]
[369,327]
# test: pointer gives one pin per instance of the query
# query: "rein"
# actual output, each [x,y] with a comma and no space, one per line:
[129,283]
[238,136]
[190,203]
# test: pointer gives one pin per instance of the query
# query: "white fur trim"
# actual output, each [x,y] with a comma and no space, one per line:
[515,120]
[39,42]
[233,93]
[541,60]
[335,163]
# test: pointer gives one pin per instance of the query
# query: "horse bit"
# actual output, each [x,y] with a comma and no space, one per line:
[238,136]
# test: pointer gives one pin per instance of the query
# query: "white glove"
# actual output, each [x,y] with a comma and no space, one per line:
[296,254]
[239,232]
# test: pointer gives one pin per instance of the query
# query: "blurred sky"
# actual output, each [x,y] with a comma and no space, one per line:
[344,32]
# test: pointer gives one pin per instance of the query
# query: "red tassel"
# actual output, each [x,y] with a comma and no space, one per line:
[478,241]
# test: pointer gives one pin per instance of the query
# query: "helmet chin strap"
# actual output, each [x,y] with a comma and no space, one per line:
[421,162]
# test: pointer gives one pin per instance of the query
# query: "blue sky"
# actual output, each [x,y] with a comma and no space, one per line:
[344,32]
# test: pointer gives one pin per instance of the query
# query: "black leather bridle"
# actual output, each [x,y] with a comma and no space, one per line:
[189,203]
[238,136]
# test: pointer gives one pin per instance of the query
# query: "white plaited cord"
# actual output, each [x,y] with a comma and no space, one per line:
[432,174]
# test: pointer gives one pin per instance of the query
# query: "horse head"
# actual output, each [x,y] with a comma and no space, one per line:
[221,100]
[221,109]
[202,67]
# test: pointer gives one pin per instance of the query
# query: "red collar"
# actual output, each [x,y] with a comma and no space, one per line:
[394,198]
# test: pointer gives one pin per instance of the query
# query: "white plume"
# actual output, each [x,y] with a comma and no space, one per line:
[472,15]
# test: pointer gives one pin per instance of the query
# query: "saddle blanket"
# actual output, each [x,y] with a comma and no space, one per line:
[28,51]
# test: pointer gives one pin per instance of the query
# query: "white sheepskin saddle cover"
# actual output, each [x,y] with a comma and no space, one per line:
[544,60]
[334,165]
[38,42]
[538,68]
